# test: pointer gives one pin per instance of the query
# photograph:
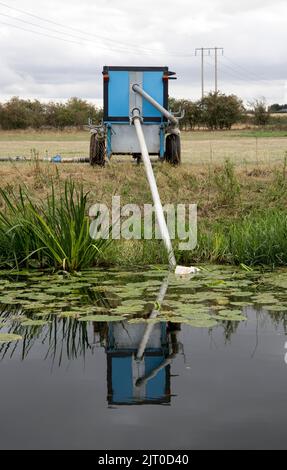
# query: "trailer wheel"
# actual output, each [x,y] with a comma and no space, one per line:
[97,150]
[173,150]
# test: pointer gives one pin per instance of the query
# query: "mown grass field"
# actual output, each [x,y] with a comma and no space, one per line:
[243,147]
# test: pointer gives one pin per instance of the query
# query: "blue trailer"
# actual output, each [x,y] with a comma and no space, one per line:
[130,93]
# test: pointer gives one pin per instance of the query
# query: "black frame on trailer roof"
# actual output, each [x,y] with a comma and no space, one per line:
[127,68]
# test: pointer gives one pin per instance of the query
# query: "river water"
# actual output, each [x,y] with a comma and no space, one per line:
[69,384]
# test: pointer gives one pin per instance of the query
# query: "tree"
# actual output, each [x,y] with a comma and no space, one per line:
[276,108]
[261,112]
[220,111]
[192,112]
[15,114]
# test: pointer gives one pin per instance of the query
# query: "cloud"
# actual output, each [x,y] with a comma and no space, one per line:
[252,33]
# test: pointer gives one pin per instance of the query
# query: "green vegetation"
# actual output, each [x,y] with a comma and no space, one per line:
[24,114]
[241,214]
[220,111]
[53,233]
[261,113]
[215,111]
[257,239]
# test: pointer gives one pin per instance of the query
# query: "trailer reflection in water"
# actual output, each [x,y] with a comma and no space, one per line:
[134,379]
[139,357]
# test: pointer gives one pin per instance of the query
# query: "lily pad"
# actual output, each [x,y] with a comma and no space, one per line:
[101,318]
[275,308]
[34,323]
[9,337]
[196,323]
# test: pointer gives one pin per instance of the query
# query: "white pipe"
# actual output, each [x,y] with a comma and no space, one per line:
[154,103]
[154,191]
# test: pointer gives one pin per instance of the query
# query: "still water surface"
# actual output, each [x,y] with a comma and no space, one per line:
[82,387]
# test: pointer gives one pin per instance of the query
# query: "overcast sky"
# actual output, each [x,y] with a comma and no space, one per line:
[93,33]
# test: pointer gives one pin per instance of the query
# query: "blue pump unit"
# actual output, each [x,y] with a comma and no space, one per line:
[117,135]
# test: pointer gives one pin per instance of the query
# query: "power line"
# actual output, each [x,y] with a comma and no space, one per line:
[208,50]
[246,77]
[38,33]
[60,32]
[257,77]
[54,22]
[125,46]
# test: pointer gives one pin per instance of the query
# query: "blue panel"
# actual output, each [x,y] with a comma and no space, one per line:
[119,94]
[122,382]
[153,85]
[156,386]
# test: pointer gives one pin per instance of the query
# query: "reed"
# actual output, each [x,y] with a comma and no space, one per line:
[49,233]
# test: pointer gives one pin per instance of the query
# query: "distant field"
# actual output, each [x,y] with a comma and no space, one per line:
[198,147]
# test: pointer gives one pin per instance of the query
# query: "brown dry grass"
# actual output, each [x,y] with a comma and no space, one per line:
[260,185]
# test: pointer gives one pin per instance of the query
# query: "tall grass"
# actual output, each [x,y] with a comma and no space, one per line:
[51,233]
[260,238]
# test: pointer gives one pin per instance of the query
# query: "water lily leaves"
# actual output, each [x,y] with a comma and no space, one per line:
[278,279]
[134,303]
[9,300]
[38,296]
[35,306]
[144,320]
[19,318]
[47,313]
[230,315]
[264,298]
[101,318]
[129,309]
[69,315]
[28,323]
[96,295]
[101,289]
[241,294]
[187,318]
[9,337]
[186,309]
[275,308]
[229,311]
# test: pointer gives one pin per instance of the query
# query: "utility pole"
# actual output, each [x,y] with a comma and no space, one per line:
[216,69]
[208,50]
[202,73]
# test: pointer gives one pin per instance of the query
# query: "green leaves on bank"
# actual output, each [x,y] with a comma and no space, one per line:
[49,233]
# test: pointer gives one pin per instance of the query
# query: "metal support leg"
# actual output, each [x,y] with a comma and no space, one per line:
[109,142]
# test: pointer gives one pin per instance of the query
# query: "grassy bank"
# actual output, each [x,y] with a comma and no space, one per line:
[241,213]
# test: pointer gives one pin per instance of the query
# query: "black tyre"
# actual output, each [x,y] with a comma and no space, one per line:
[173,149]
[97,150]
[137,157]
